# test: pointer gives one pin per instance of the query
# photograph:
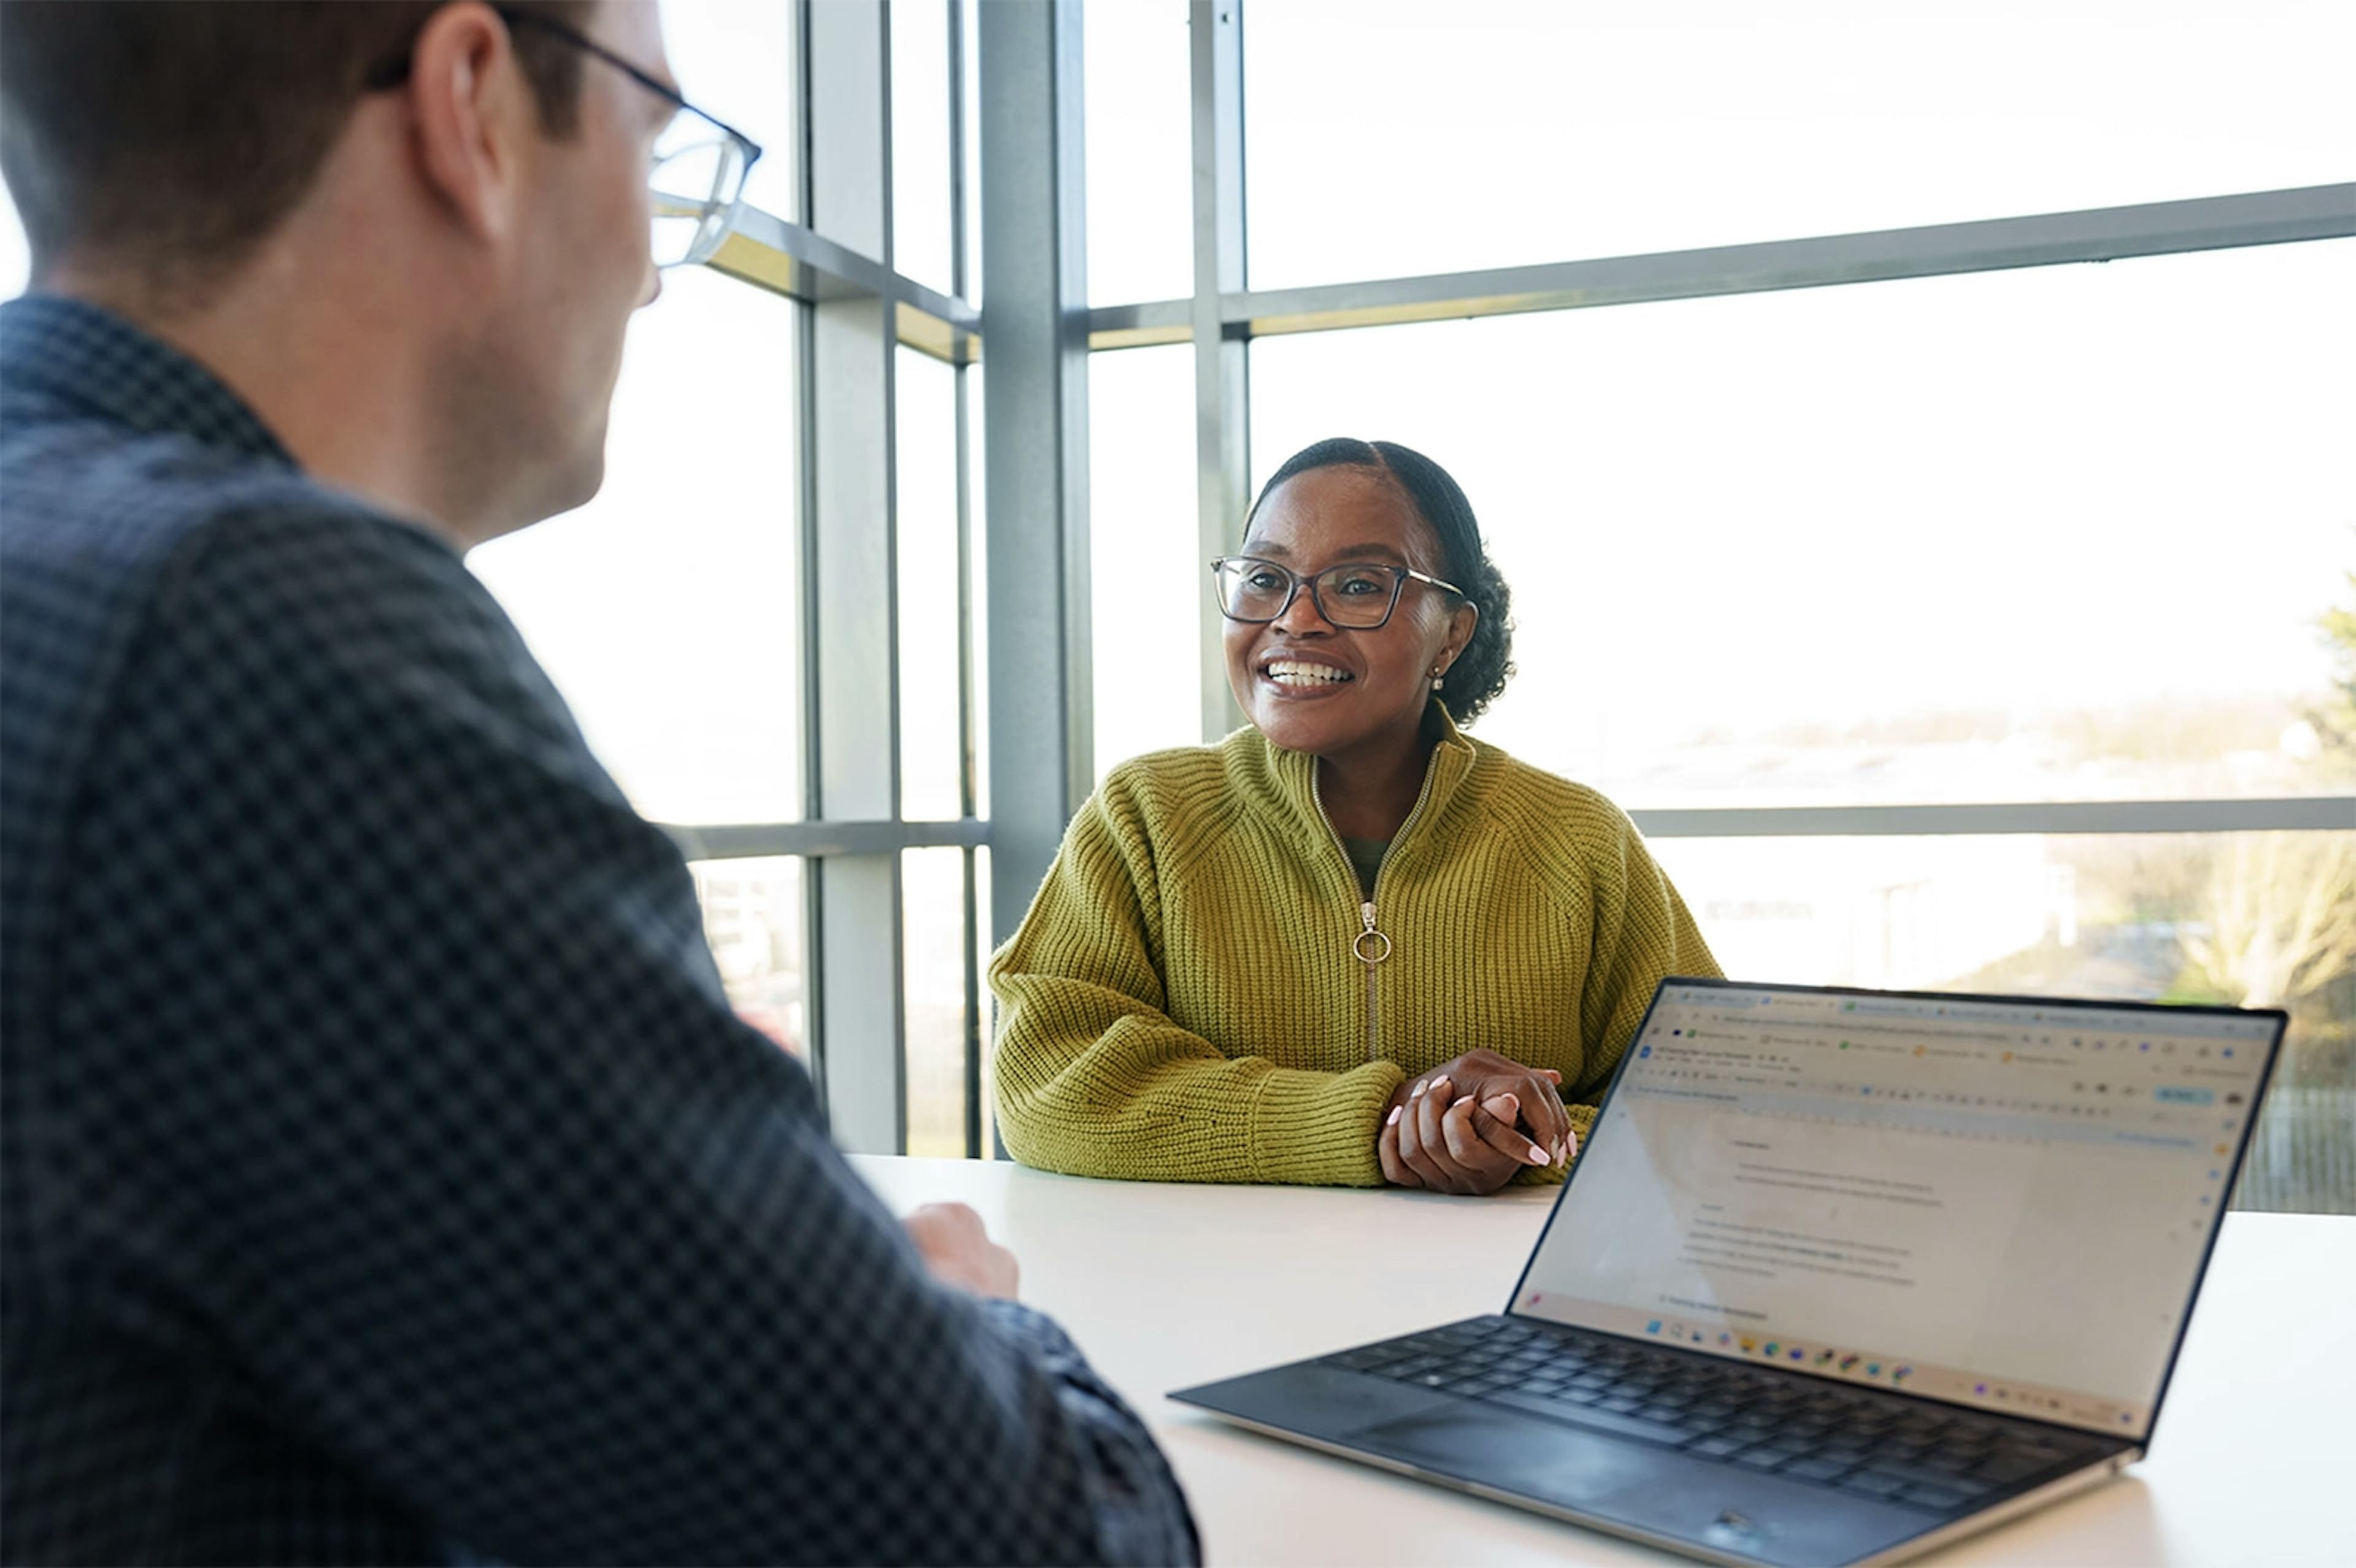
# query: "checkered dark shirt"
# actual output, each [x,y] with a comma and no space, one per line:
[385,1176]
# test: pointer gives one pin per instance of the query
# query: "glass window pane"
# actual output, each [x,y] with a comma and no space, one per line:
[2242,920]
[737,61]
[1145,573]
[1389,138]
[752,918]
[924,440]
[920,141]
[2051,534]
[665,609]
[1139,151]
[933,899]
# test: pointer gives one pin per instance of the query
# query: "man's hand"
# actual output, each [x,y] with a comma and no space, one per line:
[958,1251]
[1468,1127]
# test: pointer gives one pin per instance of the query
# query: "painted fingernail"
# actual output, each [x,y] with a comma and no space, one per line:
[1438,1084]
[1537,1156]
[1417,1092]
[1392,1120]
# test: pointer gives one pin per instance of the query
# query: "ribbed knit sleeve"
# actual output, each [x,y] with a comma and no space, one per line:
[1094,1078]
[1643,932]
[1638,929]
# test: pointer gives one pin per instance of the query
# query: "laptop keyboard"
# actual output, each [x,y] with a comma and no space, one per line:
[1810,1429]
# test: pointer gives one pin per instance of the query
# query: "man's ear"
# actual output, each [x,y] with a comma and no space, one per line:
[469,116]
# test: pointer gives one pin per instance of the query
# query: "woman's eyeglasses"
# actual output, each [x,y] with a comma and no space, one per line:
[1356,596]
[700,164]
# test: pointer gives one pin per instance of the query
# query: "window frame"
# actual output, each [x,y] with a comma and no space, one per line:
[1023,117]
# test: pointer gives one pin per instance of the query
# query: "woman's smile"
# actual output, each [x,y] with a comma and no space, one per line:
[1295,674]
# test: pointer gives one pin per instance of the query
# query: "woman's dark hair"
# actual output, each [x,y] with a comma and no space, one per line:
[1481,671]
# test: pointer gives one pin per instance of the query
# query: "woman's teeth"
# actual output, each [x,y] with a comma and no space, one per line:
[1291,672]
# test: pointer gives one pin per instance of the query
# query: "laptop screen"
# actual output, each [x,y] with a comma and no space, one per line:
[2002,1203]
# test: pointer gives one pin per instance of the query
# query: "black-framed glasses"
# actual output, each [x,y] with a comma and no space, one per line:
[701,160]
[1357,596]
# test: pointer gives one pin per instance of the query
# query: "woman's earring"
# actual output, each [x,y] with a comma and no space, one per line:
[1437,670]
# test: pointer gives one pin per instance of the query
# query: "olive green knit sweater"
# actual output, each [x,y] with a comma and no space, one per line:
[1186,999]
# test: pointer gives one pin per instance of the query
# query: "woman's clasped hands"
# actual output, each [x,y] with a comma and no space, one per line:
[1469,1125]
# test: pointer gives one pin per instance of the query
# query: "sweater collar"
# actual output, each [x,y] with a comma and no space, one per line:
[1291,776]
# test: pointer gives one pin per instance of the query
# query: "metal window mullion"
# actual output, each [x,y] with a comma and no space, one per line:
[823,839]
[785,258]
[968,784]
[969,946]
[969,960]
[2285,813]
[969,937]
[813,895]
[888,249]
[1036,498]
[1221,370]
[2103,234]
[956,11]
[819,841]
[855,763]
[813,891]
[2100,234]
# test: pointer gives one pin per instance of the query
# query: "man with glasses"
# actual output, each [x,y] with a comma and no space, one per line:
[386,1177]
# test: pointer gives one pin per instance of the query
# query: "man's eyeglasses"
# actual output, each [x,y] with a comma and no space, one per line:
[1357,596]
[700,164]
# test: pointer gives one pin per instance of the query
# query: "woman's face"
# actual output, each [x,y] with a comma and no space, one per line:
[1357,685]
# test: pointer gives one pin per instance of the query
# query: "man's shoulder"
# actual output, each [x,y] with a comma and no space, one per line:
[149,579]
[290,560]
[93,513]
[107,543]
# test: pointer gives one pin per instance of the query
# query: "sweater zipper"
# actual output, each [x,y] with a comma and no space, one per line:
[1370,946]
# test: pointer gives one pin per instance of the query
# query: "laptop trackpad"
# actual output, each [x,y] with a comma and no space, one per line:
[1637,1485]
[1543,1458]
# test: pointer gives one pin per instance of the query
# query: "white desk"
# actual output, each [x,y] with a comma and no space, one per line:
[1165,1287]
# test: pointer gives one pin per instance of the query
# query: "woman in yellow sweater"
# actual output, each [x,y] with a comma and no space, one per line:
[1347,945]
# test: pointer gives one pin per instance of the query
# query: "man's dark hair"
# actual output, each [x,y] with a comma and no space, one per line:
[1481,671]
[172,136]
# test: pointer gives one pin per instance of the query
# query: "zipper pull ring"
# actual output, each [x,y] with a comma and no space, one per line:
[1361,944]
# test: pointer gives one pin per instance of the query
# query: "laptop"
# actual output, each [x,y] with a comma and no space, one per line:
[1841,1277]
